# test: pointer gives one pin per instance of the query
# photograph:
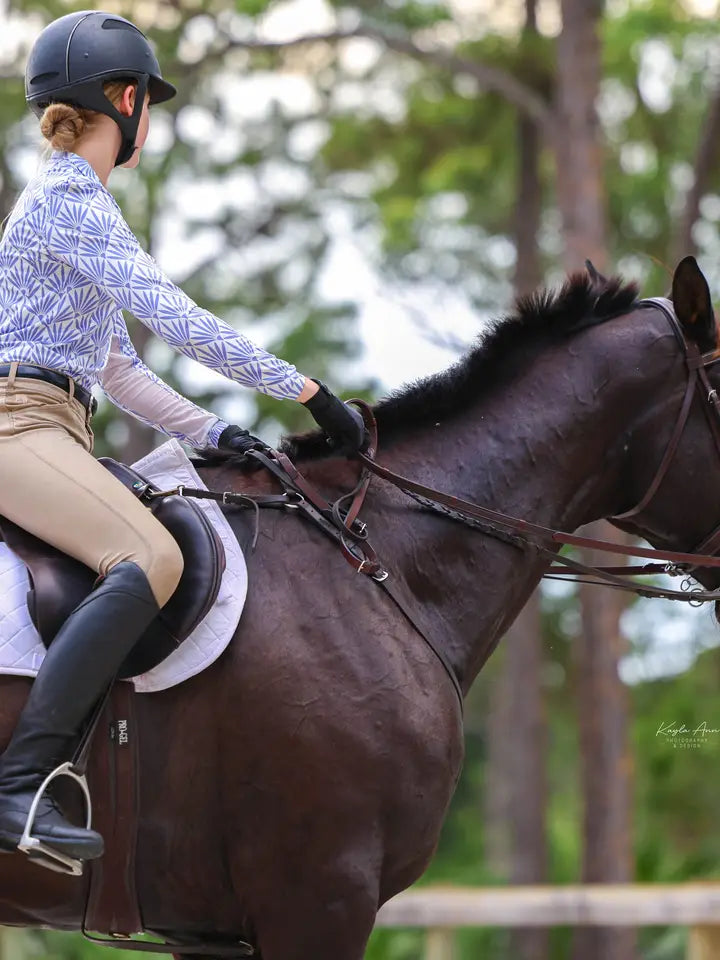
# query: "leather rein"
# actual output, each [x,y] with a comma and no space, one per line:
[546,540]
[339,519]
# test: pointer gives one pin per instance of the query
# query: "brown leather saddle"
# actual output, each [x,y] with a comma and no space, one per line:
[58,583]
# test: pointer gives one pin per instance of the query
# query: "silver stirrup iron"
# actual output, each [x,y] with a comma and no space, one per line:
[40,852]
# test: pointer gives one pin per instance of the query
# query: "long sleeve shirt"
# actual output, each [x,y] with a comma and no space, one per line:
[69,266]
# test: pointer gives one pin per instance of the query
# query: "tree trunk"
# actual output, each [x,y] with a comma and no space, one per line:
[515,790]
[528,270]
[578,141]
[525,741]
[606,762]
[605,773]
[706,159]
[497,788]
[524,737]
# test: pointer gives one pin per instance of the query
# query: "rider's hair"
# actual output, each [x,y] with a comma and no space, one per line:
[62,124]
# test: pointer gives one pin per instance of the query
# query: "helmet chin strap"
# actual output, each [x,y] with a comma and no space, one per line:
[126,151]
[129,125]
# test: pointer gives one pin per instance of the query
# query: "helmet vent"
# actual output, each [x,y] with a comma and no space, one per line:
[118,25]
[42,77]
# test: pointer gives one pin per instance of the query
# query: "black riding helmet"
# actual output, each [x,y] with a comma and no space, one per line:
[75,54]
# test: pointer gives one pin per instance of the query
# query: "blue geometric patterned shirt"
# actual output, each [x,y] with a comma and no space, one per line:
[69,266]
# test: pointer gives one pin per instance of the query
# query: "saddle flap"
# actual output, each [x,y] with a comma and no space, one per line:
[59,582]
[55,578]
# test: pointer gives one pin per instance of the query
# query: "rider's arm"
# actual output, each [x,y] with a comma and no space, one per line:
[85,228]
[133,387]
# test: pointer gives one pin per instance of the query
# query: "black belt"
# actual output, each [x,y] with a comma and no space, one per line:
[52,376]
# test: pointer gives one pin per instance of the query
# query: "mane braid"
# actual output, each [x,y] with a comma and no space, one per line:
[541,319]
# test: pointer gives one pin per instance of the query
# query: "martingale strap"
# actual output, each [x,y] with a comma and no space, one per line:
[338,521]
[541,539]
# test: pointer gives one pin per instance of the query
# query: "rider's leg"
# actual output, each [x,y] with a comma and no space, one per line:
[80,663]
[51,485]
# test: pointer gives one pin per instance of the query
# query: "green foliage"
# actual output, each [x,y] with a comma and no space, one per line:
[415,15]
[676,790]
[253,8]
[648,141]
[52,945]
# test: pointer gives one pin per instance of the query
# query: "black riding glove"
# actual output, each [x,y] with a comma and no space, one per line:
[343,424]
[239,441]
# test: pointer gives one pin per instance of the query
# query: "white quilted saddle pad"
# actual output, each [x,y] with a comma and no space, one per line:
[22,651]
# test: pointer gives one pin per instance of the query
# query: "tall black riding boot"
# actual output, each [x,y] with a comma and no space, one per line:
[80,663]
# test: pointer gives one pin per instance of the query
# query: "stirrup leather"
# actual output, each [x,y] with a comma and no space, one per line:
[40,852]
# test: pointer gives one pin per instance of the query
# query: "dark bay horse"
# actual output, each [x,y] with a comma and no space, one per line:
[302,780]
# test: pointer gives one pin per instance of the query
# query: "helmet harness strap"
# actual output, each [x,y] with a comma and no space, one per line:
[90,96]
[129,125]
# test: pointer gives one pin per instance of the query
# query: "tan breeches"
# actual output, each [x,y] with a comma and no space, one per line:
[51,485]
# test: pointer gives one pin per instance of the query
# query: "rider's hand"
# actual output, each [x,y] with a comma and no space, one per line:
[239,441]
[342,423]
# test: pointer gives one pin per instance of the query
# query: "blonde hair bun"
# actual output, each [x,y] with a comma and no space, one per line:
[62,125]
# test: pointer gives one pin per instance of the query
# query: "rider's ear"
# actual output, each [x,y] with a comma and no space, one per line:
[693,307]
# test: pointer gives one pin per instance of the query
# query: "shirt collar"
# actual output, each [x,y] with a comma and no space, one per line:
[76,161]
[81,165]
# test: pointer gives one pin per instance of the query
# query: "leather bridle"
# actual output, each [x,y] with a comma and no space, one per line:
[545,540]
[339,520]
[697,382]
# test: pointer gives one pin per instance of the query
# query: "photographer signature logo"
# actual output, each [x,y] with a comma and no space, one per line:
[683,737]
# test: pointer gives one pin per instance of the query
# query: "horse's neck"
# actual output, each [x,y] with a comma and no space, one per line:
[546,448]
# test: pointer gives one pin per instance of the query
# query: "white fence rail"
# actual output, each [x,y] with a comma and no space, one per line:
[439,910]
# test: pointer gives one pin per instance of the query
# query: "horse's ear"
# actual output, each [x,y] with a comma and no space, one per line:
[595,276]
[693,307]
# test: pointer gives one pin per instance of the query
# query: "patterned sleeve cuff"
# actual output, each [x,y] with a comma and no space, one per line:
[215,431]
